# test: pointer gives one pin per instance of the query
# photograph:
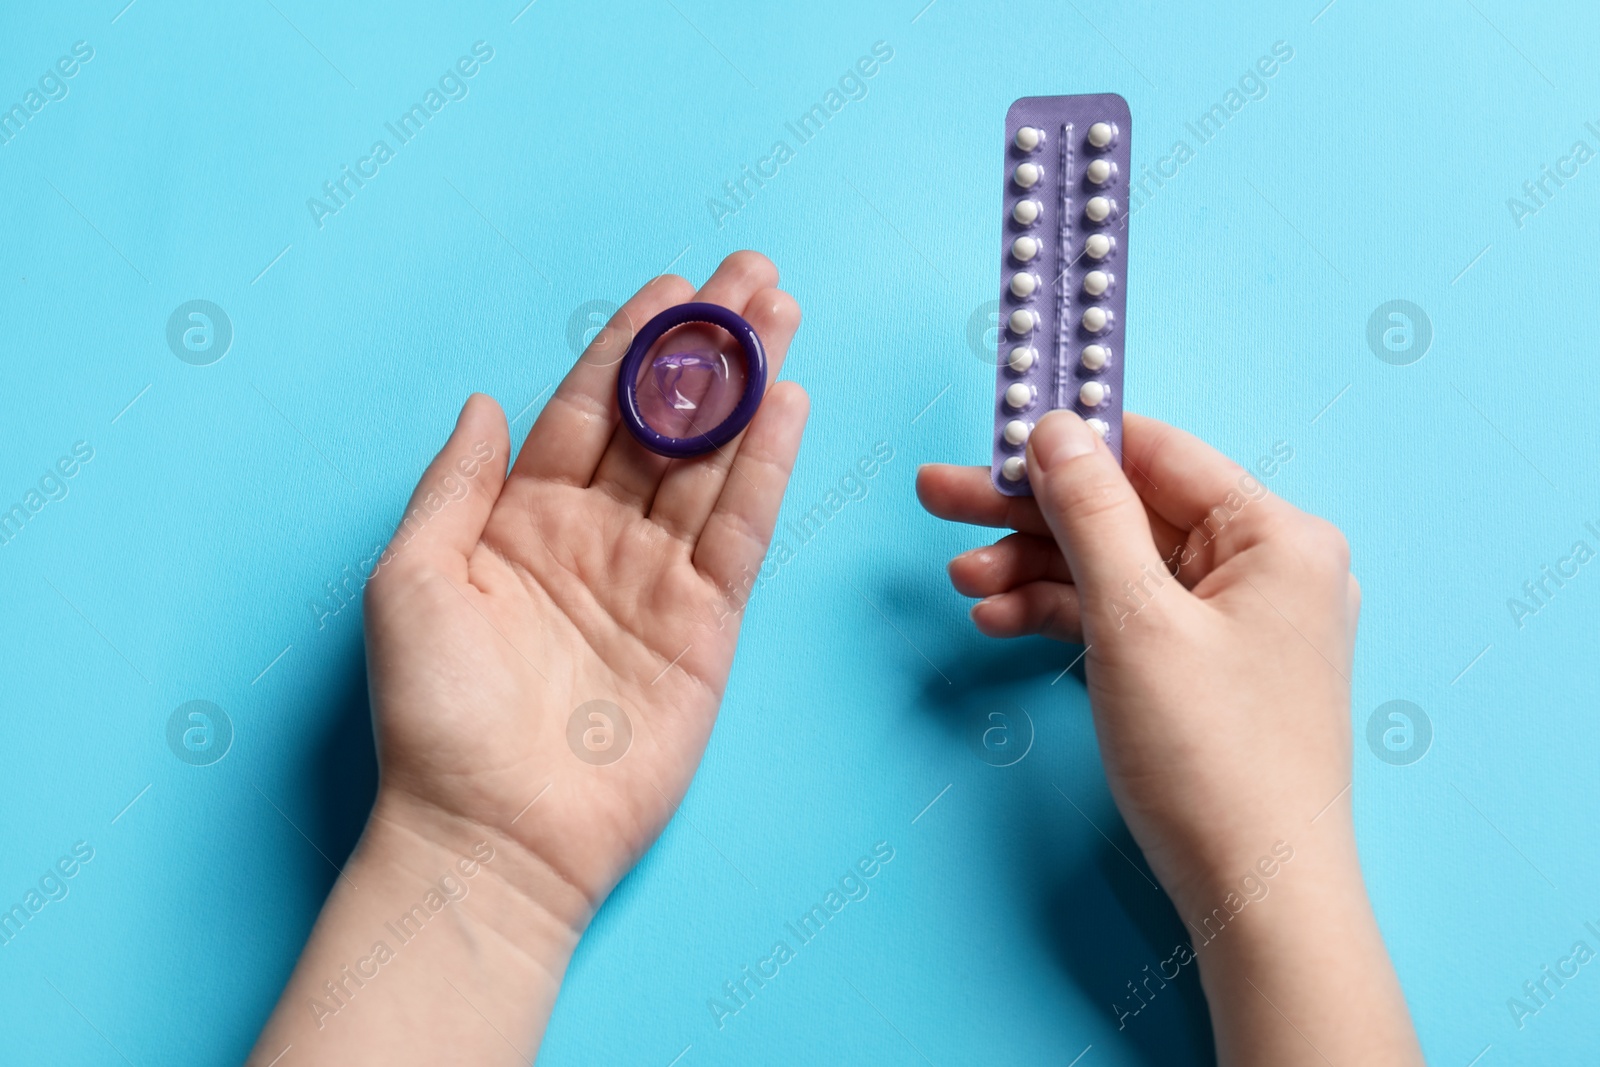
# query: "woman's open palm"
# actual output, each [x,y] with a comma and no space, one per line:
[549,647]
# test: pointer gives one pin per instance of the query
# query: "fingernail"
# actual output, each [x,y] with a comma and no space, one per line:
[1060,436]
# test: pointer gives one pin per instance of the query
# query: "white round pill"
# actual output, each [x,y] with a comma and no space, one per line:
[1029,138]
[1025,248]
[1093,394]
[1028,174]
[1016,433]
[1095,356]
[1095,319]
[1024,284]
[1022,358]
[1022,321]
[1099,426]
[1099,171]
[1101,134]
[1013,468]
[1096,282]
[1098,246]
[1018,395]
[1098,208]
[1027,212]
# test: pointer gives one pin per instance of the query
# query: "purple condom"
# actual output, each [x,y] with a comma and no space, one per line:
[690,399]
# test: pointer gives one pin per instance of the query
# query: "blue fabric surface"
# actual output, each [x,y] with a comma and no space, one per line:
[229,473]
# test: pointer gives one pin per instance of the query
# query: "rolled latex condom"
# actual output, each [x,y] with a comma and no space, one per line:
[684,388]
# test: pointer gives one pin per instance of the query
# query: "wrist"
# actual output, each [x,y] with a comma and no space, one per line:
[1301,974]
[1237,862]
[433,916]
[1302,896]
[523,900]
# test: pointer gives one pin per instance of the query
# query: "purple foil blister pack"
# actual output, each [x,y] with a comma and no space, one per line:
[1063,273]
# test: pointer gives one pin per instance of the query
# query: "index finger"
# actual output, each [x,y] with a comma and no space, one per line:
[967,494]
[571,433]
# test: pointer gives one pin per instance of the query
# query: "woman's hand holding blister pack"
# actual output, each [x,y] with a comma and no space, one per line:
[1219,623]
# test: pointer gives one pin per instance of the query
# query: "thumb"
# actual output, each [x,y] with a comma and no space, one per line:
[452,502]
[1097,518]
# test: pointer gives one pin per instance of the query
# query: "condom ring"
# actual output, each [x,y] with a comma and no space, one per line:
[687,403]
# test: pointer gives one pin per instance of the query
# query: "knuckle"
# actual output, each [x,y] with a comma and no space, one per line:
[739,527]
[1062,622]
[1275,525]
[1319,547]
[1312,541]
[397,580]
[1327,542]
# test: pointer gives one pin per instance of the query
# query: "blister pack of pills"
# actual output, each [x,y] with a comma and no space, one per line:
[1063,284]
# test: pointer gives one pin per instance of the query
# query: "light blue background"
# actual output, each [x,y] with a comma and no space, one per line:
[1377,167]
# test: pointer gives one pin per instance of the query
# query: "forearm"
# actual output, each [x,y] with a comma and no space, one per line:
[1302,975]
[441,942]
